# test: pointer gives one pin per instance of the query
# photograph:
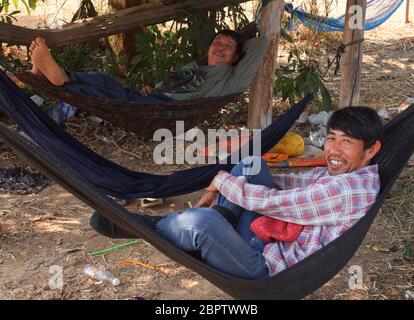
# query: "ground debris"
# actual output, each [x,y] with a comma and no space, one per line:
[21,181]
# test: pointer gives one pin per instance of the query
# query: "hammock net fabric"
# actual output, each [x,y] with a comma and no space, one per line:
[293,283]
[143,118]
[377,12]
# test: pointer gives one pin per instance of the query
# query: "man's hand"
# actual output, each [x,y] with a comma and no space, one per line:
[207,200]
[145,91]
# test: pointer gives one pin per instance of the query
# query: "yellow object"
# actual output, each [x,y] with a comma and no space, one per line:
[291,144]
[133,261]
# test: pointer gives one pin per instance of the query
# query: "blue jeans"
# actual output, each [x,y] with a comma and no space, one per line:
[237,252]
[100,85]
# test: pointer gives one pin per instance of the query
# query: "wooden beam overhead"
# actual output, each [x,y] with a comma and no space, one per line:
[109,24]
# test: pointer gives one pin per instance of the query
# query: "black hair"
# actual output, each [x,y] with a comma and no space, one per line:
[237,39]
[362,123]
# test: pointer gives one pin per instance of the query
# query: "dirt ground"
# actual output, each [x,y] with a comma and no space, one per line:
[51,228]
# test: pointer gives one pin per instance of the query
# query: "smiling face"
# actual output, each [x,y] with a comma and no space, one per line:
[222,50]
[345,154]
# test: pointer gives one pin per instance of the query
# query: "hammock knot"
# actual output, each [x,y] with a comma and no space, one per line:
[339,51]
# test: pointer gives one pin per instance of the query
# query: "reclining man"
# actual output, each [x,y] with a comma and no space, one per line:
[231,65]
[325,201]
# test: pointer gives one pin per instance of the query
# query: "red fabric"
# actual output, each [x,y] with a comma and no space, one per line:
[269,229]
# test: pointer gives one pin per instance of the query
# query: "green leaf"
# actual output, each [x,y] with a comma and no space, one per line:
[32,4]
[286,35]
[5,5]
[296,52]
[278,86]
[136,59]
[408,252]
[312,83]
[326,98]
[300,84]
[26,5]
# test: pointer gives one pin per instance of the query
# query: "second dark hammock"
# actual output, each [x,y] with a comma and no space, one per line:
[108,177]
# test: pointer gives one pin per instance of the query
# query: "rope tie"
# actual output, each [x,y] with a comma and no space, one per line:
[338,55]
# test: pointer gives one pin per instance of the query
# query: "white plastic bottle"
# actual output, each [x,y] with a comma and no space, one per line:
[99,273]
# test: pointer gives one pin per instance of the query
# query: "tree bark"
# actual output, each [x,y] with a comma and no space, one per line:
[122,45]
[109,24]
[352,58]
[261,90]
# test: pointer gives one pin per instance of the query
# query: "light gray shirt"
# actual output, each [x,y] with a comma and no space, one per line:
[223,79]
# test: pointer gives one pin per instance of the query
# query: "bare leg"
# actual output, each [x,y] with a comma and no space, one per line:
[44,64]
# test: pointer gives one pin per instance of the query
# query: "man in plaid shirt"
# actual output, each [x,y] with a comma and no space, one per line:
[325,201]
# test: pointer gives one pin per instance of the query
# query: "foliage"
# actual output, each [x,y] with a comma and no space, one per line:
[13,62]
[164,49]
[7,17]
[85,57]
[158,52]
[408,252]
[302,75]
[5,4]
[304,72]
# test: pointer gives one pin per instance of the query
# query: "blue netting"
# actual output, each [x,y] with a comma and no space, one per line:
[378,11]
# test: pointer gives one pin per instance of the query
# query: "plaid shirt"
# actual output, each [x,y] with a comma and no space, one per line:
[326,205]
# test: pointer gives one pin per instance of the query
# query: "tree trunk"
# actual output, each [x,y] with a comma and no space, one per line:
[261,90]
[122,45]
[352,58]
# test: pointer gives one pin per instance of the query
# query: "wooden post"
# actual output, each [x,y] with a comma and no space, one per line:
[352,58]
[261,90]
[407,12]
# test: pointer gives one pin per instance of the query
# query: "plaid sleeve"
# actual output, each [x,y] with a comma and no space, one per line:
[296,180]
[316,204]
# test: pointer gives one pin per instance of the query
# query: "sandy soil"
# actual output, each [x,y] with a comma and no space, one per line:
[50,228]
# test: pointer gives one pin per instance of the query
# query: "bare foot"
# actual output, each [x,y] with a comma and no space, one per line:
[44,64]
[35,69]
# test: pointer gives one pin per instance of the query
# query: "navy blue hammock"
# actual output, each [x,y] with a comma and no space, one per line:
[108,177]
[52,153]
